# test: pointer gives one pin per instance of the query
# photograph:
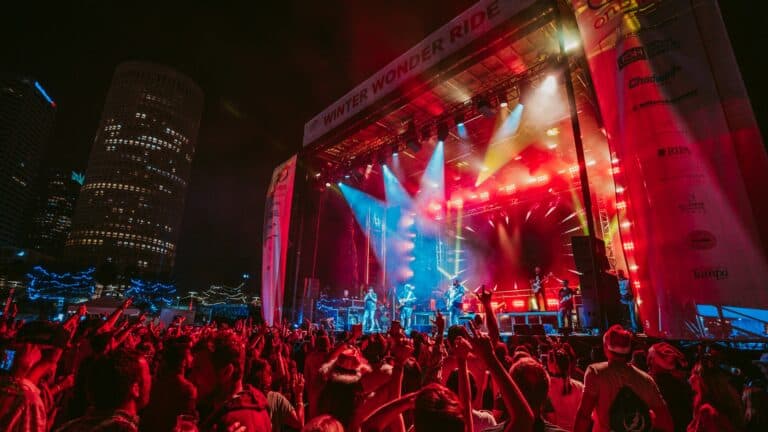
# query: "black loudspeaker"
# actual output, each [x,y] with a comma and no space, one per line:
[521,329]
[599,290]
[537,330]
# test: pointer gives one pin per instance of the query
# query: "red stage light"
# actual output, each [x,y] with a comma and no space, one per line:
[485,196]
[518,304]
[629,246]
[615,170]
[621,205]
[552,302]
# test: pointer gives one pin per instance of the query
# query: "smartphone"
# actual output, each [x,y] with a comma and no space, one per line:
[7,360]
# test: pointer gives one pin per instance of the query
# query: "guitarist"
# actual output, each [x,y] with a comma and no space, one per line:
[537,286]
[565,306]
[455,302]
[406,303]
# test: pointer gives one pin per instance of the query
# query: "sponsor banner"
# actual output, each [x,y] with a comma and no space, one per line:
[458,33]
[659,78]
[277,222]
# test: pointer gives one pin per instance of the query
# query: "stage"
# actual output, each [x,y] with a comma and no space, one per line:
[489,150]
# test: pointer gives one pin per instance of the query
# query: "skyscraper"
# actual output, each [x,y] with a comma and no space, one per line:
[130,208]
[54,206]
[27,116]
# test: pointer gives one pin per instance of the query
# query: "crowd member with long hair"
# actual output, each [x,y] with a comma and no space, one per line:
[716,403]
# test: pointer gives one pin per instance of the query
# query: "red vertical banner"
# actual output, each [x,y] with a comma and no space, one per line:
[277,222]
[665,88]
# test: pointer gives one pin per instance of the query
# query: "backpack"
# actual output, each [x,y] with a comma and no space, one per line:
[629,413]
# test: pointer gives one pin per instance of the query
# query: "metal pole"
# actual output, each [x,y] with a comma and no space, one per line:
[579,146]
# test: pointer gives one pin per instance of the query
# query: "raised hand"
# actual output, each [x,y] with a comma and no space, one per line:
[402,351]
[485,295]
[439,322]
[481,342]
[462,348]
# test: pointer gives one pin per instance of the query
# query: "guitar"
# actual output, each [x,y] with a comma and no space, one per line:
[454,295]
[407,301]
[538,283]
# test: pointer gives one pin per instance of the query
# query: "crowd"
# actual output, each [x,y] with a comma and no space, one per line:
[119,374]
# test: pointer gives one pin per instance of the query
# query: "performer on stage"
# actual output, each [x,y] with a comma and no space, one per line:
[565,308]
[406,306]
[369,316]
[627,299]
[538,288]
[455,302]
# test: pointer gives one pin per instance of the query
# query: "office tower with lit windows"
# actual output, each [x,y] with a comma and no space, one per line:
[54,205]
[27,116]
[130,207]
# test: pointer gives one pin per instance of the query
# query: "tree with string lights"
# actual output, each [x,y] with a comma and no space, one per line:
[70,286]
[222,294]
[151,296]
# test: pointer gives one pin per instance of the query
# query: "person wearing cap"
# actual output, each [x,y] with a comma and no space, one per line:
[37,348]
[603,382]
[666,365]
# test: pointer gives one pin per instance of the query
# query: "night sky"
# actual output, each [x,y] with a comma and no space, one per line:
[264,72]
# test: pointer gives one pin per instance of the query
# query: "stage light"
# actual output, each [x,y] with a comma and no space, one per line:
[553,132]
[483,106]
[629,246]
[503,102]
[484,168]
[615,170]
[524,91]
[339,183]
[570,44]
[490,222]
[633,267]
[346,176]
[518,304]
[591,162]
[549,85]
[552,146]
[485,196]
[442,131]
[394,153]
[426,133]
[411,139]
[621,205]
[459,120]
[619,189]
[615,161]
[626,224]
[317,175]
[518,157]
[327,184]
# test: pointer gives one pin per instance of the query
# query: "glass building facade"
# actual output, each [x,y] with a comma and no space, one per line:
[131,204]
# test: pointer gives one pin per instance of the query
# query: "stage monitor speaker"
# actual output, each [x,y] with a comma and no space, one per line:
[422,318]
[537,330]
[521,329]
[505,321]
[423,328]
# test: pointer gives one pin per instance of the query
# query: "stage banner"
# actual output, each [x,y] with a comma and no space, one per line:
[678,120]
[473,23]
[277,222]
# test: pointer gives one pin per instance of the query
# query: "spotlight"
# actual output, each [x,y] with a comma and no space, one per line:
[524,91]
[382,158]
[442,131]
[327,184]
[426,133]
[503,102]
[459,119]
[346,176]
[483,106]
[549,85]
[411,140]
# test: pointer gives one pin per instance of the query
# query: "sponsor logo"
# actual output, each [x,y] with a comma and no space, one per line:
[649,51]
[673,151]
[654,79]
[630,56]
[701,240]
[692,206]
[710,273]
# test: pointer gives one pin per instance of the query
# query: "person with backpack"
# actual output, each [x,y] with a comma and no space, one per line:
[621,396]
